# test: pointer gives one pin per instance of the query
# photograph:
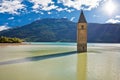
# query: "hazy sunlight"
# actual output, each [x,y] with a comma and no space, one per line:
[110,7]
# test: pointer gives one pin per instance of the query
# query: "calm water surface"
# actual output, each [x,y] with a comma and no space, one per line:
[59,61]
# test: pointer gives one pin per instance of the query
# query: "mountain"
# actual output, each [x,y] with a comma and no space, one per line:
[50,30]
[44,30]
[105,33]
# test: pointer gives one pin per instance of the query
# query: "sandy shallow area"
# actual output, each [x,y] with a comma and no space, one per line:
[59,61]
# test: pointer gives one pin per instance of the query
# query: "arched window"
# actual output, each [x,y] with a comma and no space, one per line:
[82,26]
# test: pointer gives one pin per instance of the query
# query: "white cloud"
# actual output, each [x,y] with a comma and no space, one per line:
[81,4]
[72,18]
[11,6]
[49,13]
[4,28]
[64,9]
[49,7]
[11,18]
[118,16]
[60,9]
[113,21]
[70,10]
[45,5]
[17,6]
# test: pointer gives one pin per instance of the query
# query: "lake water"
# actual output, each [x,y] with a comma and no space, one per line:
[59,61]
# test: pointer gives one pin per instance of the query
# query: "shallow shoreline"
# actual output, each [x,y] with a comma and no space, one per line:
[13,44]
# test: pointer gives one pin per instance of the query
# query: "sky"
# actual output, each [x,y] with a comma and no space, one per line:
[15,13]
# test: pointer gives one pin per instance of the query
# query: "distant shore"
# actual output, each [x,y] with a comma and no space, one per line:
[13,44]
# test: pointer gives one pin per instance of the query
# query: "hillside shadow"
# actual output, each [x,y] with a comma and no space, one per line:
[37,58]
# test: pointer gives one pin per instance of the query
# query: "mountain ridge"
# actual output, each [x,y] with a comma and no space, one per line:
[63,30]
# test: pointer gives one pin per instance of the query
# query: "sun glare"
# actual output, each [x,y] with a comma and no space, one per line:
[110,7]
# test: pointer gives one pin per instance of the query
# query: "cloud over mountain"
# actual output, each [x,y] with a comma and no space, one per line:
[113,21]
[3,28]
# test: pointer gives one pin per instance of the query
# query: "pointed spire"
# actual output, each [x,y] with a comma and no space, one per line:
[82,18]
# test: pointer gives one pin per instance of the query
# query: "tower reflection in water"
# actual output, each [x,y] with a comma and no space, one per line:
[98,66]
[82,66]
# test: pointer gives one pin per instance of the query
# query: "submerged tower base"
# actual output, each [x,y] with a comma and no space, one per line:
[81,48]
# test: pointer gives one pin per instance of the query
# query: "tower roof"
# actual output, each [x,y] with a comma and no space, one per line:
[82,18]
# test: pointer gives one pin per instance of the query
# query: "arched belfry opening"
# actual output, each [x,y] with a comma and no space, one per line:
[82,33]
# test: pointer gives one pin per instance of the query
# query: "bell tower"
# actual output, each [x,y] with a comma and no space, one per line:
[82,34]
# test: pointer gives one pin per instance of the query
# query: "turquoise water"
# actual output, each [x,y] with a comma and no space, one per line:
[59,61]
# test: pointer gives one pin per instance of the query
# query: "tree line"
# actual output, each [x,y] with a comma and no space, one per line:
[10,40]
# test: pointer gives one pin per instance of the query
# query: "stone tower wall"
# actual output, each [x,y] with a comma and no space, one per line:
[82,37]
